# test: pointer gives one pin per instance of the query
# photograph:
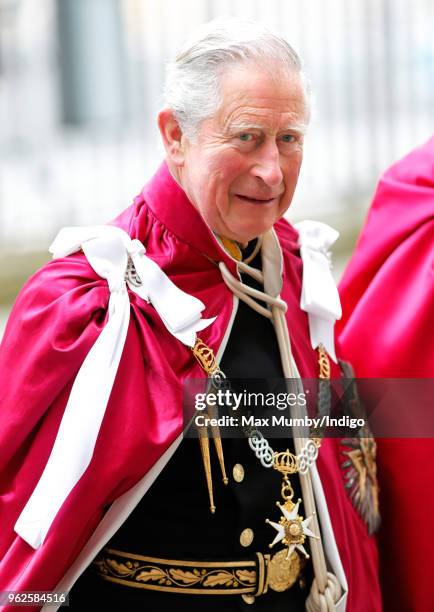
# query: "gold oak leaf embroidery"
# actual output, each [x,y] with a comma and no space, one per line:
[183,576]
[153,574]
[225,578]
[121,569]
[246,576]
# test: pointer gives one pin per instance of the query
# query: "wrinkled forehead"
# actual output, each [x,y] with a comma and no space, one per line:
[251,94]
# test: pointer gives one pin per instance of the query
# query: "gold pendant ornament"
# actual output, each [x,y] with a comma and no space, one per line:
[292,529]
[282,572]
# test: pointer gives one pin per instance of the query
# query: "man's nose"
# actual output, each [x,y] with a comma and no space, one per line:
[267,165]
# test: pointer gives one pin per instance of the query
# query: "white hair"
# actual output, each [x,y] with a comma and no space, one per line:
[193,79]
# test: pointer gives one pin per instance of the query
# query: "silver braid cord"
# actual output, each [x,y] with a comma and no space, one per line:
[307,456]
[261,447]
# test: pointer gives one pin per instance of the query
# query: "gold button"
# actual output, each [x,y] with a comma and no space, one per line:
[246,537]
[238,472]
[249,599]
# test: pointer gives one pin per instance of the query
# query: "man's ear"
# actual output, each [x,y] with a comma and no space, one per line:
[172,136]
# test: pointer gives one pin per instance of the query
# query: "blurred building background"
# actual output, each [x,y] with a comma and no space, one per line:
[81,83]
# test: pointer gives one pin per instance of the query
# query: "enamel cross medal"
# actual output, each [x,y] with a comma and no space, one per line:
[292,530]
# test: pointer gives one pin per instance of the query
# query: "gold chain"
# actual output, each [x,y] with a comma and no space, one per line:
[324,363]
[324,374]
[286,463]
[205,356]
[206,359]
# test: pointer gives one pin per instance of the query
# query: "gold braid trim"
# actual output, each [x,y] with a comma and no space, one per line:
[170,575]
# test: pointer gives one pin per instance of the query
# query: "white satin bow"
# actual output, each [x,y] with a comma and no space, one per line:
[319,294]
[107,249]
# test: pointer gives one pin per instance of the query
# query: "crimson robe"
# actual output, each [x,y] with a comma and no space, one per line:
[56,319]
[387,331]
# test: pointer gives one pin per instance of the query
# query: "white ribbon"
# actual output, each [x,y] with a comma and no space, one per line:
[319,294]
[107,249]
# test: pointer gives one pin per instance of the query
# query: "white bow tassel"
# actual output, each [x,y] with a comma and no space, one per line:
[319,294]
[107,249]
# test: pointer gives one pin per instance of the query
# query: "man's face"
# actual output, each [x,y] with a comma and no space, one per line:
[242,169]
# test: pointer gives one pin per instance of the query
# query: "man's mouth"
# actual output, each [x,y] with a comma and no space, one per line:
[252,200]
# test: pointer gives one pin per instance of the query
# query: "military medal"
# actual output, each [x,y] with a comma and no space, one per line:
[292,529]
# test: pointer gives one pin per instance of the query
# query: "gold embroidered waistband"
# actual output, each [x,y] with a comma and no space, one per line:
[252,577]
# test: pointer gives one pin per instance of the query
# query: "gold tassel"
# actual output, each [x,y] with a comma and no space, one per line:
[219,450]
[205,356]
[204,449]
[212,413]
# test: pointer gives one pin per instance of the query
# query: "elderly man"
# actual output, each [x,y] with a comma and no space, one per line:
[200,277]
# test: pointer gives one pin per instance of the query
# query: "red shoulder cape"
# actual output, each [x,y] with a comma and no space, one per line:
[387,331]
[54,322]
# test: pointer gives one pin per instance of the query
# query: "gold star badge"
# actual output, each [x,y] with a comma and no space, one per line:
[292,529]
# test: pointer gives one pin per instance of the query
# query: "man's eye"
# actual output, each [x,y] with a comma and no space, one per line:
[288,138]
[245,137]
